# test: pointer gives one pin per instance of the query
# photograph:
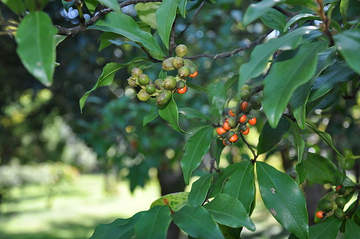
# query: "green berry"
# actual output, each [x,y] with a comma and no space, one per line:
[143,79]
[132,81]
[255,102]
[232,122]
[136,71]
[170,83]
[339,213]
[150,89]
[183,72]
[178,62]
[245,95]
[181,50]
[164,97]
[340,201]
[167,64]
[180,84]
[143,95]
[245,87]
[159,84]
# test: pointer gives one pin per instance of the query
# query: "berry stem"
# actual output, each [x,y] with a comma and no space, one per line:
[250,147]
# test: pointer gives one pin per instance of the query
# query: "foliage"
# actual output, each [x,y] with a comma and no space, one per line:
[306,70]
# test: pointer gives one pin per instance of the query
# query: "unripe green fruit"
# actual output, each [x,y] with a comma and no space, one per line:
[180,84]
[331,196]
[340,201]
[183,72]
[245,87]
[136,71]
[150,89]
[348,164]
[159,84]
[167,64]
[227,142]
[235,110]
[224,135]
[164,97]
[339,213]
[232,122]
[178,62]
[132,81]
[242,127]
[192,69]
[143,95]
[255,102]
[181,50]
[143,79]
[169,83]
[327,205]
[245,95]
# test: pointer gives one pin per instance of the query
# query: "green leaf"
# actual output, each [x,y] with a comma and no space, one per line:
[321,170]
[284,199]
[324,136]
[231,81]
[193,113]
[113,4]
[298,140]
[153,223]
[182,7]
[18,7]
[165,17]
[300,173]
[254,11]
[337,73]
[261,54]
[35,5]
[327,229]
[348,43]
[200,189]
[196,87]
[274,19]
[36,30]
[147,12]
[307,3]
[217,100]
[118,229]
[229,211]
[174,200]
[106,78]
[153,114]
[241,184]
[170,114]
[291,70]
[296,18]
[196,147]
[197,222]
[126,26]
[344,5]
[91,5]
[352,230]
[275,134]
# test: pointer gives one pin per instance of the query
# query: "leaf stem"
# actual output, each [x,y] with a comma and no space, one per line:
[250,147]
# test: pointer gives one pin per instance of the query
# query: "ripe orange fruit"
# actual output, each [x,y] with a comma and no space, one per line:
[320,214]
[253,121]
[243,119]
[220,130]
[182,90]
[247,131]
[194,74]
[231,113]
[226,126]
[244,105]
[233,138]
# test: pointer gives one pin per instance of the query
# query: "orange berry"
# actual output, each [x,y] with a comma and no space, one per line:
[320,214]
[246,132]
[253,121]
[233,138]
[243,119]
[338,188]
[220,130]
[244,105]
[194,74]
[182,90]
[226,126]
[231,113]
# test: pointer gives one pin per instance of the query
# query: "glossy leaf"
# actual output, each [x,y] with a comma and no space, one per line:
[254,11]
[106,78]
[113,4]
[126,26]
[182,7]
[193,113]
[300,173]
[307,3]
[284,199]
[241,184]
[196,147]
[324,136]
[174,200]
[147,12]
[327,229]
[337,73]
[165,17]
[298,17]
[18,7]
[298,140]
[196,87]
[197,222]
[170,114]
[321,170]
[352,229]
[200,189]
[91,5]
[153,224]
[36,30]
[291,70]
[275,134]
[274,19]
[229,211]
[261,54]
[348,43]
[153,114]
[217,100]
[118,229]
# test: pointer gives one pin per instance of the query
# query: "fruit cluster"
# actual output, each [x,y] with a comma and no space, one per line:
[238,117]
[333,203]
[163,89]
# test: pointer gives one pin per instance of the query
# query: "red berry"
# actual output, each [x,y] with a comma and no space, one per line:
[243,119]
[182,90]
[338,188]
[253,121]
[320,214]
[194,74]
[244,105]
[220,130]
[247,131]
[233,138]
[226,126]
[231,113]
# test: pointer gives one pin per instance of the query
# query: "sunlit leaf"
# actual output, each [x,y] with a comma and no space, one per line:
[146,12]
[256,10]
[113,4]
[174,200]
[170,113]
[298,17]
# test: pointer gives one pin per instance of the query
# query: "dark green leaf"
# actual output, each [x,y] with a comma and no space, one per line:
[229,211]
[274,19]
[352,230]
[298,140]
[298,17]
[300,173]
[241,184]
[91,5]
[113,4]
[231,81]
[153,114]
[254,11]
[153,223]
[35,5]
[327,229]
[18,7]
[344,5]
[36,30]
[193,113]
[269,137]
[321,170]
[182,7]
[261,54]
[324,136]
[174,200]
[307,3]
[217,100]
[196,87]
[197,222]
[200,189]
[170,114]
[291,70]
[196,147]
[284,199]
[126,26]
[348,43]
[165,17]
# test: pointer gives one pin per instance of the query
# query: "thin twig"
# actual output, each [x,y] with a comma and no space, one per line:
[193,18]
[213,167]
[325,20]
[250,147]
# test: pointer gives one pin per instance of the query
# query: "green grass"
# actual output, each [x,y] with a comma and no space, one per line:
[76,209]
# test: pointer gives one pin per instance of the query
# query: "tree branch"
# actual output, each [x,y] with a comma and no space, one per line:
[193,19]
